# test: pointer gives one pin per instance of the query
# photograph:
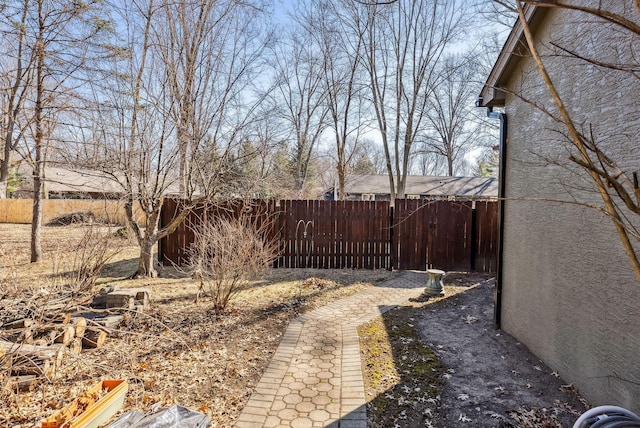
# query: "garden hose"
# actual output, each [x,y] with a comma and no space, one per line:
[608,417]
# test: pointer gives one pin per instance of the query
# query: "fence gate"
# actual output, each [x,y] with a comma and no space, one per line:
[432,234]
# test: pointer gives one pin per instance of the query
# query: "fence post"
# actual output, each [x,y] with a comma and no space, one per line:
[392,258]
[474,236]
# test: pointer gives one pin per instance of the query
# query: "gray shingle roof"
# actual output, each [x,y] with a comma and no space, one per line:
[471,187]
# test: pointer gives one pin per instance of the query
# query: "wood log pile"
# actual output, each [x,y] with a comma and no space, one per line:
[32,348]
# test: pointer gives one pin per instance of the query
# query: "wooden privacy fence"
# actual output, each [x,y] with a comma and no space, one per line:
[447,235]
[334,234]
[416,234]
[20,210]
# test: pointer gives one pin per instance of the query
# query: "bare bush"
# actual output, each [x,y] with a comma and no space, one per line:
[91,255]
[228,254]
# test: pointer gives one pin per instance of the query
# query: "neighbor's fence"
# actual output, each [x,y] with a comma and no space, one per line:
[416,234]
[20,210]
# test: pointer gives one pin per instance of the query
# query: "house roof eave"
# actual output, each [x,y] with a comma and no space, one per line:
[511,53]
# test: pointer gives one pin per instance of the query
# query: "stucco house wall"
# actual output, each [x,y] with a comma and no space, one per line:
[568,292]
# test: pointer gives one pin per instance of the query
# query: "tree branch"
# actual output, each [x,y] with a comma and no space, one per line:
[578,143]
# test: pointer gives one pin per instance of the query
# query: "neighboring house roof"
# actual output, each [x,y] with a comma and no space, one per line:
[63,180]
[78,181]
[471,187]
[513,50]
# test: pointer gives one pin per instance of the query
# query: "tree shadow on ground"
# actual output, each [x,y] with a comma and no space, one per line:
[120,269]
[402,376]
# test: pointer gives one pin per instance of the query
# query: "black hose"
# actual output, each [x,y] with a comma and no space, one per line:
[615,421]
[625,424]
[608,417]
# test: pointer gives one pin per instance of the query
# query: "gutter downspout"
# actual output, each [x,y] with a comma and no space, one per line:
[502,156]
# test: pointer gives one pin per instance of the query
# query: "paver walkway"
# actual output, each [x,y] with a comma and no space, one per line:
[315,378]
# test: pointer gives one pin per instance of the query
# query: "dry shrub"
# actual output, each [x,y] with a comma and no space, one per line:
[8,275]
[228,254]
[93,252]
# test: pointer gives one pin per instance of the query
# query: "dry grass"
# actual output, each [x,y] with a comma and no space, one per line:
[179,351]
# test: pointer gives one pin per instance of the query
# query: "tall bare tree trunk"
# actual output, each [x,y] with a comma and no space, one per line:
[38,172]
[146,263]
[342,172]
[14,104]
[4,172]
[8,147]
[404,43]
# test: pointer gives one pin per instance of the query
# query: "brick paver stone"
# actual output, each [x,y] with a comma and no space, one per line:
[315,377]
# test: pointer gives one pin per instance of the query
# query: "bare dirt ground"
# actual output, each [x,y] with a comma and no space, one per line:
[451,368]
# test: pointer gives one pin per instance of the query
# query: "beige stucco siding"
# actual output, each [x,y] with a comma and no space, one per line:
[569,293]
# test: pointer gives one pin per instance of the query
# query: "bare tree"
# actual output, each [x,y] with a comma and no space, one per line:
[59,37]
[172,117]
[339,37]
[16,72]
[195,39]
[300,101]
[404,42]
[454,123]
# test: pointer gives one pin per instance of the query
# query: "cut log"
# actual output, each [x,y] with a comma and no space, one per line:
[18,324]
[53,352]
[22,383]
[64,336]
[120,300]
[75,347]
[80,325]
[94,337]
[58,318]
[20,335]
[22,366]
[61,332]
[128,298]
[24,359]
[143,297]
[54,333]
[18,331]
